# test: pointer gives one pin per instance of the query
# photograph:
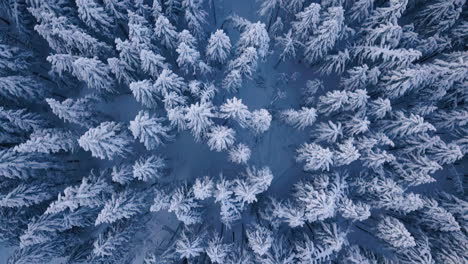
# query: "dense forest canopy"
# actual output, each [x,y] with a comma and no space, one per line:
[233,131]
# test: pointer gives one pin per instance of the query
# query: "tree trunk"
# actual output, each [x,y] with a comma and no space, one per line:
[213,8]
[273,17]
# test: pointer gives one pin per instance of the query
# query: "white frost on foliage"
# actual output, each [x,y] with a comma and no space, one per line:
[299,118]
[260,121]
[220,138]
[239,154]
[255,35]
[150,130]
[235,109]
[260,239]
[107,141]
[203,188]
[315,157]
[150,168]
[198,117]
[392,231]
[219,46]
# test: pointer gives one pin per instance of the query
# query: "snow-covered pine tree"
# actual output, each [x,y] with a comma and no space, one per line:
[122,205]
[95,17]
[165,31]
[18,87]
[150,130]
[315,157]
[168,81]
[107,141]
[393,232]
[219,47]
[240,153]
[260,121]
[289,46]
[203,188]
[299,118]
[145,93]
[326,35]
[260,239]
[235,109]
[150,168]
[94,73]
[198,117]
[49,141]
[24,165]
[189,245]
[89,193]
[256,36]
[26,195]
[220,138]
[78,111]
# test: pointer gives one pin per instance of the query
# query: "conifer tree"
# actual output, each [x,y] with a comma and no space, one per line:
[150,130]
[394,233]
[326,35]
[219,46]
[76,111]
[220,138]
[107,141]
[123,205]
[150,168]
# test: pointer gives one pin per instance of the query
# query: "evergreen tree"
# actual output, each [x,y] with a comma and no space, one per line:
[49,141]
[198,117]
[112,244]
[169,81]
[107,141]
[23,165]
[150,130]
[150,168]
[94,73]
[17,88]
[219,46]
[203,189]
[145,93]
[122,174]
[326,35]
[316,157]
[440,15]
[329,132]
[235,109]
[394,233]
[289,46]
[260,121]
[437,218]
[217,251]
[195,16]
[21,119]
[76,111]
[123,205]
[14,59]
[94,16]
[165,31]
[26,195]
[256,36]
[89,193]
[306,21]
[220,138]
[299,118]
[404,126]
[240,154]
[189,245]
[188,58]
[152,63]
[260,239]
